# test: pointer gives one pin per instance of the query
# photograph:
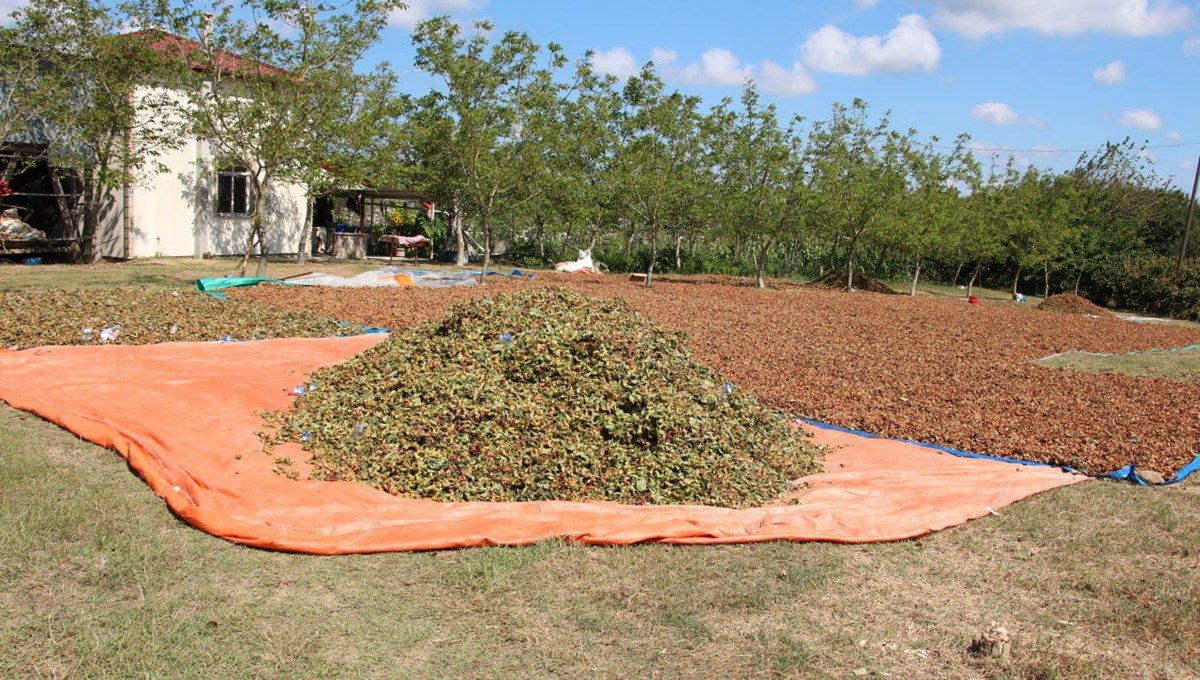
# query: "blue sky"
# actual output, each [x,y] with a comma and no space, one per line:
[1044,78]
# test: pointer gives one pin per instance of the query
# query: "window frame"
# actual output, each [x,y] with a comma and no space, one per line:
[234,174]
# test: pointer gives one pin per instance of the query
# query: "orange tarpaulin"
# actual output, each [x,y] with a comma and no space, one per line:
[185,416]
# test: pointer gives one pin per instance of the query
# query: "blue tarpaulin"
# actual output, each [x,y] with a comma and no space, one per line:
[1128,473]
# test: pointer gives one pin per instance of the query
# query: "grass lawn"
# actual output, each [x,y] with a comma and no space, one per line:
[98,579]
[1182,365]
[952,291]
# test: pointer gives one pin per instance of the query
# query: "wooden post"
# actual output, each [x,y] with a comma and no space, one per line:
[1187,227]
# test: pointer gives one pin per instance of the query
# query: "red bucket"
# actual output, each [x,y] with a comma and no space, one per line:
[972,299]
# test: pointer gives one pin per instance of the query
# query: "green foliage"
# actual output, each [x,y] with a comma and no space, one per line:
[657,160]
[540,395]
[80,90]
[859,173]
[481,141]
[635,169]
[1149,282]
[762,175]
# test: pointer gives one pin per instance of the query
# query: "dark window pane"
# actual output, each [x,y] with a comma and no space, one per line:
[234,196]
[239,194]
[224,193]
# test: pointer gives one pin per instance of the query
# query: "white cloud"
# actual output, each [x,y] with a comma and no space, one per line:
[777,80]
[1191,46]
[908,47]
[662,57]
[980,18]
[866,4]
[1110,74]
[999,113]
[1174,136]
[420,10]
[615,62]
[1141,119]
[1184,165]
[721,68]
[717,66]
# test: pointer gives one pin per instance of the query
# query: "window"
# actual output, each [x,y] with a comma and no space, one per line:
[234,196]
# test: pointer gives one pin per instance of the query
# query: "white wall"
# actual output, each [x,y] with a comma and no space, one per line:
[174,212]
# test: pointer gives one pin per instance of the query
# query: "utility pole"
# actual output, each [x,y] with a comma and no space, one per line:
[1187,227]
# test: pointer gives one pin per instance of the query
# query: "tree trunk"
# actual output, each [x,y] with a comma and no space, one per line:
[653,256]
[261,189]
[541,239]
[65,212]
[1046,290]
[1078,278]
[261,270]
[91,218]
[974,275]
[1016,280]
[678,259]
[831,257]
[305,246]
[92,199]
[850,247]
[487,252]
[957,272]
[460,241]
[592,240]
[256,221]
[241,269]
[760,263]
[916,277]
[91,239]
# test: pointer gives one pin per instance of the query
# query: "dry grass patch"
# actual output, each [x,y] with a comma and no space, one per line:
[98,579]
[1181,365]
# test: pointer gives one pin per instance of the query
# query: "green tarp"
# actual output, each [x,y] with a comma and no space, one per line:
[219,282]
[215,283]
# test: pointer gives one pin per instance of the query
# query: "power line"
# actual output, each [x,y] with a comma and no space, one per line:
[972,148]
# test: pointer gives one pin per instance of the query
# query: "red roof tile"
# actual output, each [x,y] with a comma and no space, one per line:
[194,53]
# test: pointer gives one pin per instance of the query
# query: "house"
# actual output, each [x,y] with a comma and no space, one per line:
[191,204]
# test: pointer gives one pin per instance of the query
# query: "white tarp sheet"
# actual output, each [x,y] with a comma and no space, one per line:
[389,277]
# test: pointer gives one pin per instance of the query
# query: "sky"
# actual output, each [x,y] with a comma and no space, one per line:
[1044,79]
